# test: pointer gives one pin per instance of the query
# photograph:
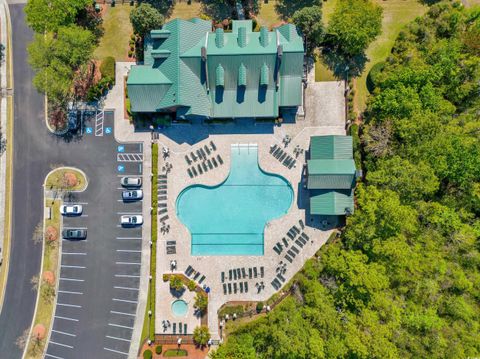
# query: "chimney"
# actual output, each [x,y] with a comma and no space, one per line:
[219,37]
[242,36]
[264,36]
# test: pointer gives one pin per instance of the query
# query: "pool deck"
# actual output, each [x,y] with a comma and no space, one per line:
[324,115]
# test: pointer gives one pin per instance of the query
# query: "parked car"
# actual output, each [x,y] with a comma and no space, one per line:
[71,210]
[132,195]
[131,181]
[74,233]
[131,220]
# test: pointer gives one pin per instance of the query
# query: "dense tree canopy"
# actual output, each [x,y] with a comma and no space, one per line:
[49,15]
[354,25]
[57,57]
[403,281]
[309,21]
[145,18]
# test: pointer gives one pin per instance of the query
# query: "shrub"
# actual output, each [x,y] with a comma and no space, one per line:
[158,349]
[176,283]
[147,354]
[191,285]
[201,302]
[130,53]
[166,277]
[259,307]
[107,69]
[201,335]
[373,74]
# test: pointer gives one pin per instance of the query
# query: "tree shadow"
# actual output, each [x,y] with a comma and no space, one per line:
[342,65]
[286,8]
[164,6]
[218,10]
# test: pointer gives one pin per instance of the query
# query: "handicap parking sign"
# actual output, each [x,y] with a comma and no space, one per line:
[121,168]
[108,130]
[88,130]
[121,148]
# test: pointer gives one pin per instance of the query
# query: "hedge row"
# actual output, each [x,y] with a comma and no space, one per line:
[153,253]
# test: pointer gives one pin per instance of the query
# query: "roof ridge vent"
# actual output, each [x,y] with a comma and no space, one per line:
[264,36]
[242,36]
[219,37]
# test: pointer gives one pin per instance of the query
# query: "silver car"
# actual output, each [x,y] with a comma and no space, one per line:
[132,195]
[131,181]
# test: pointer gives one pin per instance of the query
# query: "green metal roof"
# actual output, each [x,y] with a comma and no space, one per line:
[248,59]
[331,175]
[321,167]
[219,76]
[331,147]
[331,202]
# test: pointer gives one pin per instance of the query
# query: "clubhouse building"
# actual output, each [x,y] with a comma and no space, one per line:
[198,74]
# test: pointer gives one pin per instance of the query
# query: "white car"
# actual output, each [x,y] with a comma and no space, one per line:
[131,220]
[71,210]
[131,181]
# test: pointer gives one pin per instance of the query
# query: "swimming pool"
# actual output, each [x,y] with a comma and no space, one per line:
[179,308]
[229,219]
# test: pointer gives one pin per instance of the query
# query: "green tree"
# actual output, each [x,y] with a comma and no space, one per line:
[354,25]
[176,283]
[145,18]
[49,15]
[309,21]
[412,182]
[201,335]
[201,302]
[56,58]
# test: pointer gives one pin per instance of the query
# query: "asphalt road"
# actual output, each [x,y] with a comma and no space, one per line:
[36,151]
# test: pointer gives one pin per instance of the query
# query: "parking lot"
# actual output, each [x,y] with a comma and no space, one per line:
[100,276]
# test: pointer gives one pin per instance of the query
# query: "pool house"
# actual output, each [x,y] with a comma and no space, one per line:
[331,175]
[199,74]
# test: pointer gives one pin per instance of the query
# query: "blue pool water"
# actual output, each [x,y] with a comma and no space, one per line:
[179,308]
[229,219]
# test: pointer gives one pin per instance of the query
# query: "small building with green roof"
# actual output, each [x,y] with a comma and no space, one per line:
[198,73]
[331,175]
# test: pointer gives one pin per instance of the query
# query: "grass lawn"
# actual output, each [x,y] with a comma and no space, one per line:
[267,15]
[184,11]
[56,180]
[396,14]
[172,353]
[118,30]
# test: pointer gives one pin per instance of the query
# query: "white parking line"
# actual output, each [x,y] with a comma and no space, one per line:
[126,276]
[126,288]
[124,300]
[68,292]
[75,253]
[67,266]
[65,318]
[115,351]
[121,313]
[63,345]
[71,203]
[129,263]
[129,250]
[72,279]
[129,238]
[60,332]
[69,305]
[120,326]
[52,356]
[125,340]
